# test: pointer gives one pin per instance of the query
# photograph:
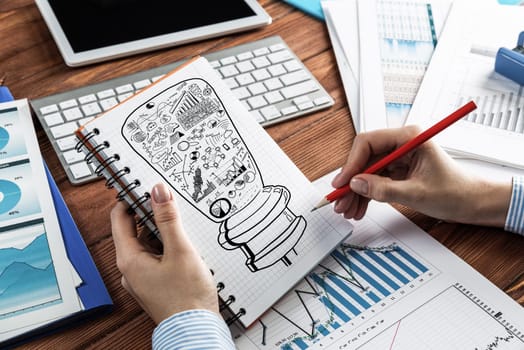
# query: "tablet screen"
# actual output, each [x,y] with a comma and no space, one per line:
[93,24]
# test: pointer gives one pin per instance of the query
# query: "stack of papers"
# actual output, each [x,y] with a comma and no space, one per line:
[384,49]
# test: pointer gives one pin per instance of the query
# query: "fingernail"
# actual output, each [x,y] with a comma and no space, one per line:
[335,179]
[359,186]
[161,193]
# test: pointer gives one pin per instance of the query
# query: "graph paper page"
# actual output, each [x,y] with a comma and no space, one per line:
[245,205]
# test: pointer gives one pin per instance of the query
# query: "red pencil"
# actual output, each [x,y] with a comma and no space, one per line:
[403,150]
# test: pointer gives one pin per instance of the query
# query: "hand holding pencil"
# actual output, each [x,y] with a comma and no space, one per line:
[413,172]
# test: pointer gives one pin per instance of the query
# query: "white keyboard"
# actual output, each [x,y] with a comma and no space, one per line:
[266,76]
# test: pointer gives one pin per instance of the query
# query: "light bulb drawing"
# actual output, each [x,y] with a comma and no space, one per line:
[187,135]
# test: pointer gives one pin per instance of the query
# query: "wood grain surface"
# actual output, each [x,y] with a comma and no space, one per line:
[317,143]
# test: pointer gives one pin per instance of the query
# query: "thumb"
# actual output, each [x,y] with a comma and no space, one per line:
[168,220]
[380,188]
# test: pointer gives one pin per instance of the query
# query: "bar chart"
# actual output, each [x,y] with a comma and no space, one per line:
[501,109]
[348,288]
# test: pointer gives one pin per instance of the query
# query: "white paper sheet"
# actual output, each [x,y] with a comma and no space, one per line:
[420,296]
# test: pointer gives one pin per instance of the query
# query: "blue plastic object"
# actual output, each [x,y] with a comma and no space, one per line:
[510,63]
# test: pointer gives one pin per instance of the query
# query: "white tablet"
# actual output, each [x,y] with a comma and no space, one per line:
[89,31]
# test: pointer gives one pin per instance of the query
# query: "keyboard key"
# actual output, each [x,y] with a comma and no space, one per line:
[124,96]
[273,97]
[80,170]
[245,66]
[63,129]
[261,51]
[292,66]
[277,47]
[108,103]
[321,100]
[270,112]
[257,88]
[68,104]
[299,89]
[244,79]
[305,105]
[73,156]
[277,70]
[256,102]
[294,77]
[141,84]
[53,119]
[280,56]
[87,99]
[261,62]
[67,143]
[124,88]
[73,114]
[289,110]
[301,99]
[228,71]
[273,84]
[261,74]
[91,108]
[228,60]
[49,109]
[245,56]
[105,93]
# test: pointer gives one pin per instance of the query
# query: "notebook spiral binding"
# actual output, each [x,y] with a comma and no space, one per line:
[115,178]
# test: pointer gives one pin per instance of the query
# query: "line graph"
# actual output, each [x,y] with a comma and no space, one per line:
[452,319]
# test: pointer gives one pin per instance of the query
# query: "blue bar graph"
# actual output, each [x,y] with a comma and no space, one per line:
[412,260]
[374,269]
[323,330]
[361,273]
[388,267]
[361,279]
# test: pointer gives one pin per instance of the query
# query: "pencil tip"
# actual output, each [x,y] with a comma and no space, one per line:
[321,204]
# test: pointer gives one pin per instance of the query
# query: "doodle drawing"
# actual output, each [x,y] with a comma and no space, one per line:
[188,137]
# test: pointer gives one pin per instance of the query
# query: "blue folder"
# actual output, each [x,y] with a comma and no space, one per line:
[311,7]
[92,291]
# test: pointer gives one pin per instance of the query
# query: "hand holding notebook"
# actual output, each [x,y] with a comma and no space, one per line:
[245,205]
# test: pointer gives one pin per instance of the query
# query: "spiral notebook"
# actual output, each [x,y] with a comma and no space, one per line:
[245,205]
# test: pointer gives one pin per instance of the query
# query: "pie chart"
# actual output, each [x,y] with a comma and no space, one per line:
[10,195]
[220,208]
[4,138]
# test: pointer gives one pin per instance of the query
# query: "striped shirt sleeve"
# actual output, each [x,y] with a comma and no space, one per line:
[515,217]
[192,329]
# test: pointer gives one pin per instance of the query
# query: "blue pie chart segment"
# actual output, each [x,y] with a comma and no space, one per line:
[10,195]
[4,138]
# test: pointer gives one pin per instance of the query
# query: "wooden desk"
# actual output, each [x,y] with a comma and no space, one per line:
[35,68]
